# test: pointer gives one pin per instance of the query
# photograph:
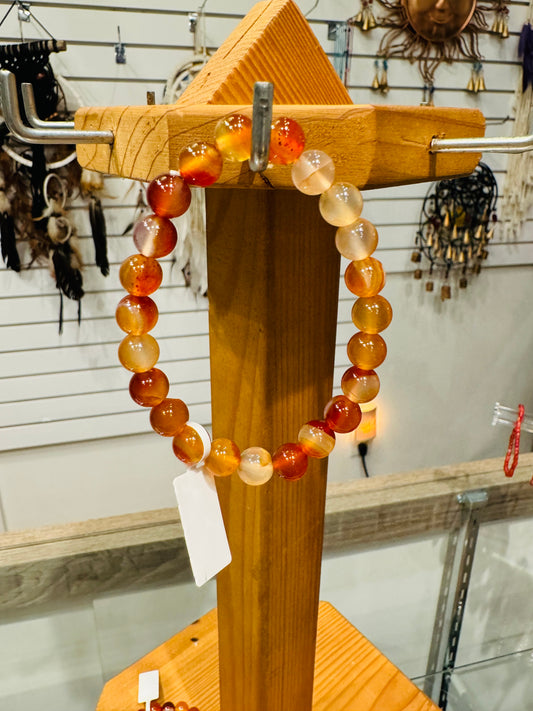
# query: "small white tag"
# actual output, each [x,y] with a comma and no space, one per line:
[202,523]
[148,687]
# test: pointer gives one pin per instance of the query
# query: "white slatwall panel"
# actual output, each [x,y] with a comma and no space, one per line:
[63,388]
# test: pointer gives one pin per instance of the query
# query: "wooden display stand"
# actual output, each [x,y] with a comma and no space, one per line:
[273,289]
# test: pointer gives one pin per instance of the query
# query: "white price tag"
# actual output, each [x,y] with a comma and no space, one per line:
[148,687]
[203,526]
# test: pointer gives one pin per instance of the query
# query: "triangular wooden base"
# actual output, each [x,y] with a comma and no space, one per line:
[350,673]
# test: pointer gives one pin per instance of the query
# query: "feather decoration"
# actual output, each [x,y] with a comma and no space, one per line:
[525,51]
[66,270]
[99,233]
[9,242]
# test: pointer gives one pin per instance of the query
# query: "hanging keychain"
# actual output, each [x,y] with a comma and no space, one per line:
[514,444]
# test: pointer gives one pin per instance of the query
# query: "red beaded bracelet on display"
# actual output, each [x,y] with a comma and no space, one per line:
[155,237]
[169,706]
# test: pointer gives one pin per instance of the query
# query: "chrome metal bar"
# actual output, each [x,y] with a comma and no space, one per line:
[261,125]
[28,134]
[511,144]
[30,109]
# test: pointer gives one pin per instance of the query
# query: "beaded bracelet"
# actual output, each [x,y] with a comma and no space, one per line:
[169,706]
[155,236]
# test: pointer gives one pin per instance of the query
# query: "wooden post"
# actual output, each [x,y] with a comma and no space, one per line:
[273,289]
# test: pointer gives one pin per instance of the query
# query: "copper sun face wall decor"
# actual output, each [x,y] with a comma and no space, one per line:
[430,32]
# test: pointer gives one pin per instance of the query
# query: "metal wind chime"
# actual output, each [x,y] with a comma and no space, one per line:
[457,223]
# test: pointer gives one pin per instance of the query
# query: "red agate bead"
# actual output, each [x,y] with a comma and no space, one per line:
[317,439]
[290,461]
[365,277]
[136,314]
[140,275]
[169,195]
[342,414]
[200,164]
[168,706]
[372,314]
[188,446]
[149,388]
[224,457]
[366,350]
[155,236]
[138,353]
[233,137]
[155,706]
[287,141]
[169,416]
[360,385]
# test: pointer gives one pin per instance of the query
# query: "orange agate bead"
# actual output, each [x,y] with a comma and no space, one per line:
[224,457]
[169,195]
[372,314]
[287,141]
[316,439]
[342,414]
[233,137]
[358,240]
[140,275]
[365,277]
[360,385]
[155,236]
[138,353]
[366,350]
[188,446]
[182,706]
[169,416]
[290,461]
[200,164]
[136,314]
[149,388]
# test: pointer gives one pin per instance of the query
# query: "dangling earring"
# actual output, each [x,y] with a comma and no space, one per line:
[383,83]
[375,81]
[479,84]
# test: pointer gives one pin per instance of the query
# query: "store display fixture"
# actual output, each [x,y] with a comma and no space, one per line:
[273,287]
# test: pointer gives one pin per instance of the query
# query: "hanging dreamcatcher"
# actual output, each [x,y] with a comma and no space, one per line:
[456,226]
[37,181]
[429,32]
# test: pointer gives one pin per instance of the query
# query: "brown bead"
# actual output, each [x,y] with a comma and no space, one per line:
[150,388]
[169,417]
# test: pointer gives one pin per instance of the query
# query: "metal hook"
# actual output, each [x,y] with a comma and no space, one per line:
[27,134]
[514,144]
[261,125]
[30,109]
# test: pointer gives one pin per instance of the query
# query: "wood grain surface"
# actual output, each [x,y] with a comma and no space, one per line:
[372,146]
[350,675]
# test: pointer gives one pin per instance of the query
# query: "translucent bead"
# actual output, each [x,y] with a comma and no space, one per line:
[358,240]
[313,172]
[366,350]
[169,195]
[188,445]
[342,414]
[256,466]
[365,277]
[341,205]
[136,314]
[287,141]
[182,706]
[138,353]
[290,461]
[155,236]
[317,439]
[149,388]
[372,314]
[168,706]
[169,416]
[140,275]
[200,164]
[233,137]
[154,706]
[224,457]
[360,385]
